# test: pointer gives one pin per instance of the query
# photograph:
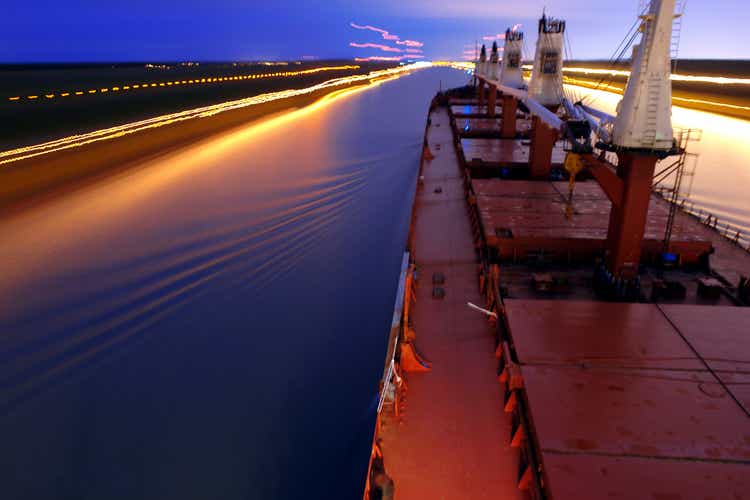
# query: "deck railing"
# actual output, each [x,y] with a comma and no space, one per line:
[731,232]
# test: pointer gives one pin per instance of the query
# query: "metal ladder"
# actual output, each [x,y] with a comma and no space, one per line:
[676,171]
[674,47]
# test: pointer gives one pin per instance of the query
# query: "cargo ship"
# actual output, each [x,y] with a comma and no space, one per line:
[564,327]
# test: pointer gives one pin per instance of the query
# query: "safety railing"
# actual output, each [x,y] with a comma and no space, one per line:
[732,232]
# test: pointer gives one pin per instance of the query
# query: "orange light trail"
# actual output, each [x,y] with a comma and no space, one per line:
[676,77]
[75,141]
[285,74]
[619,90]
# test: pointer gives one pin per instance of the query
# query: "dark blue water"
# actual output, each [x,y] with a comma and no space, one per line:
[213,323]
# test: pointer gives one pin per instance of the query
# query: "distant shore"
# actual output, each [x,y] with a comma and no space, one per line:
[725,99]
[29,181]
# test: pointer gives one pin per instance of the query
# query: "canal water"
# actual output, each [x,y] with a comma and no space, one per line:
[213,323]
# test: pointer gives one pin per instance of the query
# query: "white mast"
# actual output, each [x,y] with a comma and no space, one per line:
[494,63]
[481,65]
[644,115]
[511,75]
[546,76]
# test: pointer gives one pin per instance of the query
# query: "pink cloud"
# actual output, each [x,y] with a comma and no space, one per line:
[387,58]
[384,48]
[410,43]
[414,51]
[489,38]
[387,35]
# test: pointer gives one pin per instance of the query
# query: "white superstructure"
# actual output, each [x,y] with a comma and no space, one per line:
[644,115]
[511,74]
[546,76]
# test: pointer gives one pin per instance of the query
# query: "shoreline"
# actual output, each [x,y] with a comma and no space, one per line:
[692,96]
[31,181]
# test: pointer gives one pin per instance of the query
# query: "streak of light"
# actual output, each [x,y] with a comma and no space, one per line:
[75,141]
[285,74]
[676,77]
[712,103]
[462,65]
[619,90]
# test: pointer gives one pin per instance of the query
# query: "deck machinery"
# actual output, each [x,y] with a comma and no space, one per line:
[622,361]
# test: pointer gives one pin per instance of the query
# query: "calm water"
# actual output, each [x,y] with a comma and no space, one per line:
[213,323]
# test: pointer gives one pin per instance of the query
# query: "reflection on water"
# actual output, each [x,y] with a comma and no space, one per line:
[212,324]
[722,177]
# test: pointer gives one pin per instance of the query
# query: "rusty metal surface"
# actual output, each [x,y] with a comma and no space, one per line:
[505,152]
[534,213]
[721,335]
[620,404]
[472,110]
[637,412]
[478,125]
[452,441]
[584,477]
[597,334]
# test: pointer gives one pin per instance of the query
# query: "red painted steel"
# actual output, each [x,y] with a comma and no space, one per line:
[609,181]
[627,221]
[597,334]
[475,110]
[467,127]
[505,152]
[620,404]
[522,216]
[585,477]
[510,107]
[543,141]
[649,413]
[491,100]
[451,442]
[721,336]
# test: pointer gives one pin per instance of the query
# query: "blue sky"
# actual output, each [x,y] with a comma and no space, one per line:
[85,30]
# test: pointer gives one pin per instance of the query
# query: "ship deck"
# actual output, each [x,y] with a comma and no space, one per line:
[568,396]
[519,217]
[452,442]
[645,399]
[472,110]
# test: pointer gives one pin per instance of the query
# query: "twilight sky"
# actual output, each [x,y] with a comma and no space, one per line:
[152,30]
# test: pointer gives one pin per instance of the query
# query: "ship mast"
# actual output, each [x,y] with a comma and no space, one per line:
[494,63]
[644,116]
[545,86]
[642,134]
[511,74]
